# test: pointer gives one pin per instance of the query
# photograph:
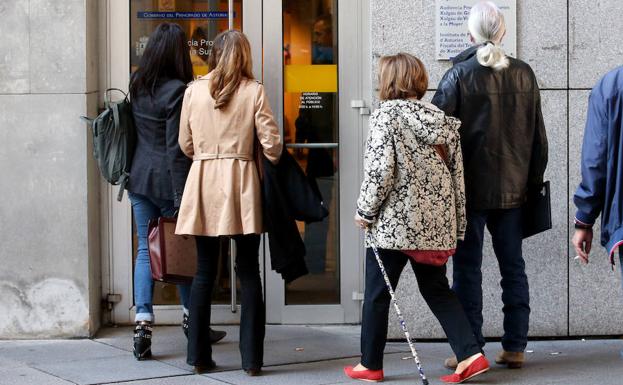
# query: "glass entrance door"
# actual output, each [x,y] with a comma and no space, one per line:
[310,55]
[314,63]
[202,20]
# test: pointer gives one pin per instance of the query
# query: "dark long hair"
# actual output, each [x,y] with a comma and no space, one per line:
[166,56]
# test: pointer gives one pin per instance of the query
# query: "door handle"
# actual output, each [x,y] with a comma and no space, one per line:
[361,105]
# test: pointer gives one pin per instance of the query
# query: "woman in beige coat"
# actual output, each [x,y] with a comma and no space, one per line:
[222,115]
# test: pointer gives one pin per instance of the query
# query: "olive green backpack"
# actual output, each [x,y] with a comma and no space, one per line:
[114,140]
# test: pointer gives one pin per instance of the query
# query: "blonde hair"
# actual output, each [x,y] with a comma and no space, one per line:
[401,76]
[486,25]
[230,62]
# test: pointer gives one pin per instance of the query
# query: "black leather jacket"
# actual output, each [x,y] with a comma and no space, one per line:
[159,167]
[503,136]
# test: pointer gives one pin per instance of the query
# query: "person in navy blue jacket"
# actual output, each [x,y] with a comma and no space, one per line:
[601,190]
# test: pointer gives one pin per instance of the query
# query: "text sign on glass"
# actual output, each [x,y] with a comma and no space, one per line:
[452,35]
[183,15]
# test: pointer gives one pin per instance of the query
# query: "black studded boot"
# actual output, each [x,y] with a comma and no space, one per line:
[142,340]
[185,324]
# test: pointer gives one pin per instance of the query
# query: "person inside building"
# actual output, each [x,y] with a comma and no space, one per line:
[600,191]
[223,115]
[504,143]
[412,205]
[159,168]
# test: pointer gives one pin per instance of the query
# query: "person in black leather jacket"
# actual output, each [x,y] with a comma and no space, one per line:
[504,147]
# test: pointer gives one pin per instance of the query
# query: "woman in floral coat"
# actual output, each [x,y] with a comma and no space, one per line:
[412,202]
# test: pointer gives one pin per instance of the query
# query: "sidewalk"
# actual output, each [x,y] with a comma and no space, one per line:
[294,355]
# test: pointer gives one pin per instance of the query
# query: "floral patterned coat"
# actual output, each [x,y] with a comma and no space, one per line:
[411,197]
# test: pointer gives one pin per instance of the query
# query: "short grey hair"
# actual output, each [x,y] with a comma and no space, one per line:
[487,26]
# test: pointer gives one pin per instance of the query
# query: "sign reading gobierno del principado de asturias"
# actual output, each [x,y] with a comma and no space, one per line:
[452,36]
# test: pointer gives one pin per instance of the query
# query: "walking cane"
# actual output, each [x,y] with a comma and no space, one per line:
[403,325]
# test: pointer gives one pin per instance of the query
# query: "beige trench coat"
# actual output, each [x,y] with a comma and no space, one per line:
[222,195]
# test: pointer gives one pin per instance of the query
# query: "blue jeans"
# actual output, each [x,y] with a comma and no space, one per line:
[506,234]
[145,209]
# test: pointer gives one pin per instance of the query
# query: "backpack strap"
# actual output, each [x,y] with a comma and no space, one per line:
[86,119]
[115,113]
[123,181]
[107,95]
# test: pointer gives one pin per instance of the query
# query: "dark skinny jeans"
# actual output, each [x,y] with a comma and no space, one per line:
[433,285]
[253,311]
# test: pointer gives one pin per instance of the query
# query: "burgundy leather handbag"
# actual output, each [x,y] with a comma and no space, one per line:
[173,257]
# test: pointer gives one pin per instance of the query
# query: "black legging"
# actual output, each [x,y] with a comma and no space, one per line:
[433,286]
[253,311]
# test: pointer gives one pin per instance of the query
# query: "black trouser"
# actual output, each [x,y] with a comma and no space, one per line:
[506,236]
[253,311]
[434,287]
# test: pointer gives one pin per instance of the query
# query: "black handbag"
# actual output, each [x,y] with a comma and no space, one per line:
[536,213]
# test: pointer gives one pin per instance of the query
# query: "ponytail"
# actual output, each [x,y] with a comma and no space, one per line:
[493,56]
[487,27]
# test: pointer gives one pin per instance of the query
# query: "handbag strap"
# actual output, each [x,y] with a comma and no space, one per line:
[442,151]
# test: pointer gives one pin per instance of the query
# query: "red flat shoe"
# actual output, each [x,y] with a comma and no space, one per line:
[364,375]
[479,366]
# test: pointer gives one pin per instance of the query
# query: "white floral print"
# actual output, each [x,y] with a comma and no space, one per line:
[413,199]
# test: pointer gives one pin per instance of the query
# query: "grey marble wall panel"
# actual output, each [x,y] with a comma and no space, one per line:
[595,32]
[409,26]
[94,223]
[594,290]
[92,49]
[58,46]
[44,232]
[14,60]
[545,255]
[405,26]
[542,40]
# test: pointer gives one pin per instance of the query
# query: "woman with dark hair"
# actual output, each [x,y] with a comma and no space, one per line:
[159,168]
[223,115]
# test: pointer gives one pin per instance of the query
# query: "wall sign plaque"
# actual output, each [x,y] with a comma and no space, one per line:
[451,32]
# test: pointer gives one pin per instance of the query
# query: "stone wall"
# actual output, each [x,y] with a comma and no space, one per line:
[49,279]
[569,44]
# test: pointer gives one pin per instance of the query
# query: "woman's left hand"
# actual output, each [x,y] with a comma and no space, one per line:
[360,222]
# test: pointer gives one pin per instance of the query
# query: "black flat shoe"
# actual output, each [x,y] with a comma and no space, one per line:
[216,335]
[142,340]
[200,369]
[253,372]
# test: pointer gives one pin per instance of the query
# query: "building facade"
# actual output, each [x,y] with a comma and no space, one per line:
[67,244]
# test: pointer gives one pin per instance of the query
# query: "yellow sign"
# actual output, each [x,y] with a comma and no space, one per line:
[310,78]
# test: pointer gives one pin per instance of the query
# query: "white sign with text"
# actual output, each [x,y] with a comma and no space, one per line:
[452,36]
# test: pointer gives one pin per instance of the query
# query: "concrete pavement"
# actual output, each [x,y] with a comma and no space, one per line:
[300,355]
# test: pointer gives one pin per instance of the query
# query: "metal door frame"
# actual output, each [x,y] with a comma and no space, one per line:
[116,217]
[354,84]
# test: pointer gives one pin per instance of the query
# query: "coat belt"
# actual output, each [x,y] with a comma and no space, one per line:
[223,156]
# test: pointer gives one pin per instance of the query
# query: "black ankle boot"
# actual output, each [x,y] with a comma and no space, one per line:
[142,340]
